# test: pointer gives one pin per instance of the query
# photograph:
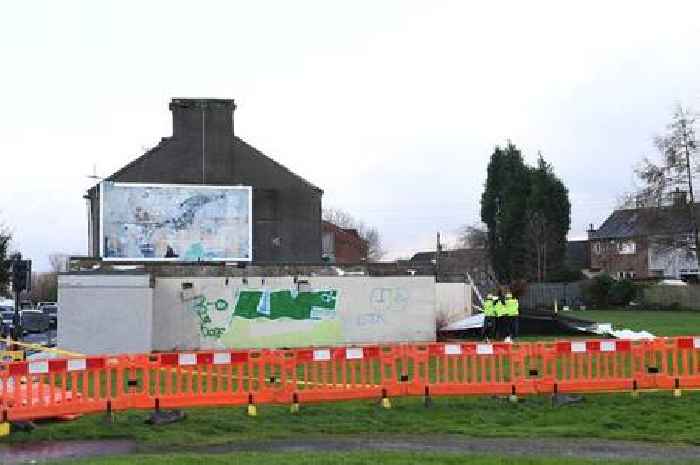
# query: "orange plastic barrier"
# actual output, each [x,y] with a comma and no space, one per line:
[76,385]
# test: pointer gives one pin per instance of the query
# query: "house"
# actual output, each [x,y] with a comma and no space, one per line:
[342,245]
[203,149]
[459,262]
[644,243]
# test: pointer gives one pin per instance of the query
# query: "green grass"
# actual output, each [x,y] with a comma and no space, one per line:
[352,458]
[653,417]
[657,322]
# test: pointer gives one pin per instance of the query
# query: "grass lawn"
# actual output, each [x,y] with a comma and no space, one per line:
[653,417]
[352,458]
[657,322]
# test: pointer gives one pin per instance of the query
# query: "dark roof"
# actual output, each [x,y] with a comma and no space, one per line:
[637,222]
[239,145]
[463,255]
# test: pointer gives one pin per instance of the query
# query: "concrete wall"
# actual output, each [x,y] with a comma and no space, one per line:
[453,301]
[194,313]
[105,313]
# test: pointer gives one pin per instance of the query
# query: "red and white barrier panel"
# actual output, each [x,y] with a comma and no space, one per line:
[582,347]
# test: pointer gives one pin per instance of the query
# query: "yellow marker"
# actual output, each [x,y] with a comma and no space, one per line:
[677,393]
[4,428]
[252,410]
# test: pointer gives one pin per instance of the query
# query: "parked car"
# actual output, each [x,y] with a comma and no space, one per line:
[7,314]
[35,321]
[50,310]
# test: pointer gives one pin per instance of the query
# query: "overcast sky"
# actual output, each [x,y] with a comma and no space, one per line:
[393,108]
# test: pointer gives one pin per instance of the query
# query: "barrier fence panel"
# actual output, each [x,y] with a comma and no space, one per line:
[75,385]
[689,362]
[469,368]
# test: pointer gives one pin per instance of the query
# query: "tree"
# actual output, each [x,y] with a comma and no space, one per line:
[548,220]
[528,215]
[58,262]
[474,236]
[44,287]
[670,181]
[343,219]
[5,278]
[503,210]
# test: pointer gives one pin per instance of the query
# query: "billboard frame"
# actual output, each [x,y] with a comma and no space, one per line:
[249,189]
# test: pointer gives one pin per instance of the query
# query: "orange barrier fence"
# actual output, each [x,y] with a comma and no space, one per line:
[74,385]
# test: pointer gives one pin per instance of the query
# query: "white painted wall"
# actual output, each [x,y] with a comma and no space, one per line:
[115,313]
[453,301]
[105,313]
[370,310]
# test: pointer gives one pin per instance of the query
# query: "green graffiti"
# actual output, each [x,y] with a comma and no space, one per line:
[319,304]
[215,316]
[202,307]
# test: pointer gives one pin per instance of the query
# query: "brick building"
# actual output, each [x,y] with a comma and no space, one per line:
[343,245]
[643,243]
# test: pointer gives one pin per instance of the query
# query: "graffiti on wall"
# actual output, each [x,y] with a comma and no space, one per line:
[253,317]
[383,300]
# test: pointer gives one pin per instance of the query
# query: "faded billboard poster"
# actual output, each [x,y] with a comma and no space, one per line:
[175,222]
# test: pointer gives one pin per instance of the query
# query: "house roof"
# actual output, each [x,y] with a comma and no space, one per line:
[239,146]
[636,222]
[465,255]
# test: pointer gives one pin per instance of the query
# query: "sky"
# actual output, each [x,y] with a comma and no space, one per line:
[393,108]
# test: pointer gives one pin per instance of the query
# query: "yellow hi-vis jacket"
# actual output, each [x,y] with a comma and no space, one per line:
[512,307]
[499,308]
[489,309]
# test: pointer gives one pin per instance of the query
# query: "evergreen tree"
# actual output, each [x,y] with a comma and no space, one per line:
[548,221]
[503,210]
[528,215]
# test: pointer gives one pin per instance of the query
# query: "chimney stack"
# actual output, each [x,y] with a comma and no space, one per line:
[194,117]
[204,128]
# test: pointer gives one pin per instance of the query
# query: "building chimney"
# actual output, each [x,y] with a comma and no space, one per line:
[205,127]
[193,117]
[590,231]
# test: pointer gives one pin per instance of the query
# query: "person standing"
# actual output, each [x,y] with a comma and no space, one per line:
[489,329]
[513,311]
[501,315]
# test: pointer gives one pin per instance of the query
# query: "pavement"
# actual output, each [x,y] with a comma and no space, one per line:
[602,449]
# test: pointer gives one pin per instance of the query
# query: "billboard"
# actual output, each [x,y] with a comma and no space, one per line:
[155,222]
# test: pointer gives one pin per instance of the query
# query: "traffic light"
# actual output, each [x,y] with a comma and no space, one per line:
[21,275]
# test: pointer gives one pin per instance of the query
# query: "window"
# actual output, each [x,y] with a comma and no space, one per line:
[626,247]
[596,248]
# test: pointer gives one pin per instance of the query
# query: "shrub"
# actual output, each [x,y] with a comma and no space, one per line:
[621,292]
[596,293]
[604,290]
